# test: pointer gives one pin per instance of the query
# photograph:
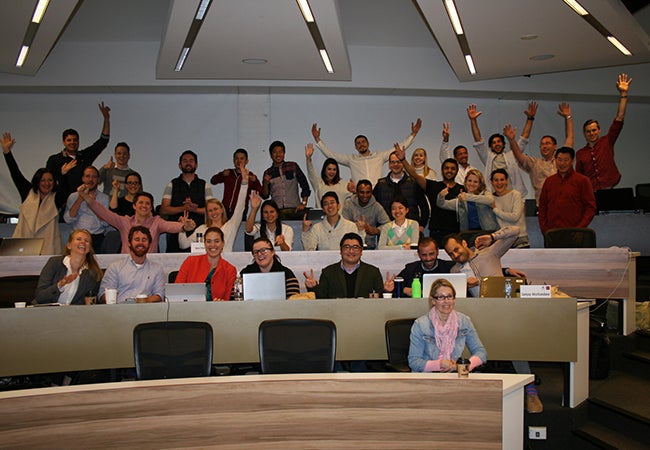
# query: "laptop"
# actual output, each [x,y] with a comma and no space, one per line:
[495,286]
[21,246]
[457,280]
[185,292]
[615,200]
[264,286]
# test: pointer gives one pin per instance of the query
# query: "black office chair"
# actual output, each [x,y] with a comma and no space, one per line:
[297,346]
[171,278]
[398,341]
[470,236]
[642,196]
[172,350]
[570,238]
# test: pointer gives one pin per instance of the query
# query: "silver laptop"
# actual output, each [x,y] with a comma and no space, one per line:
[185,292]
[264,286]
[21,246]
[457,280]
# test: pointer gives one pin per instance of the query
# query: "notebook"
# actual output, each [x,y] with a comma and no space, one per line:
[185,292]
[457,280]
[495,286]
[264,286]
[21,246]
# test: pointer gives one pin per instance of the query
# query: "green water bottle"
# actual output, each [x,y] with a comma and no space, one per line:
[416,288]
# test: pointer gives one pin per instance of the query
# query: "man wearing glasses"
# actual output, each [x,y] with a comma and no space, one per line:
[348,278]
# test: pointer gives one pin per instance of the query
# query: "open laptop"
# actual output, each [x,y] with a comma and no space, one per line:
[457,280]
[264,286]
[185,292]
[495,286]
[21,246]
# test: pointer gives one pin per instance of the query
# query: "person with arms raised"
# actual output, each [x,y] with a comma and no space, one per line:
[270,226]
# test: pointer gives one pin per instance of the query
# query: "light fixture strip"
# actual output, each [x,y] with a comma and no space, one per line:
[39,12]
[450,6]
[201,12]
[470,64]
[306,10]
[591,20]
[326,60]
[312,26]
[22,56]
[454,18]
[203,9]
[181,59]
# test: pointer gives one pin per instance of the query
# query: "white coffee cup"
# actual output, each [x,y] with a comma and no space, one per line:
[111,296]
[20,304]
[388,295]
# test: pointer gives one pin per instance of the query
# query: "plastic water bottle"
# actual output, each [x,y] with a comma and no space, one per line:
[507,288]
[239,288]
[416,288]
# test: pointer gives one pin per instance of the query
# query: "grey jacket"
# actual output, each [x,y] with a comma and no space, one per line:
[47,290]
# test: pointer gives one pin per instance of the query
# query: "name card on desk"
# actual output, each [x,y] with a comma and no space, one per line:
[535,291]
[197,247]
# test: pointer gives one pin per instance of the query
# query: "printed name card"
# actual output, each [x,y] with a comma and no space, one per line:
[535,291]
[197,247]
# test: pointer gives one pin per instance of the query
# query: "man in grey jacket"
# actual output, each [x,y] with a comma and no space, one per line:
[363,209]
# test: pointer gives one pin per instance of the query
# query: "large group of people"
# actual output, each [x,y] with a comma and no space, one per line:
[409,207]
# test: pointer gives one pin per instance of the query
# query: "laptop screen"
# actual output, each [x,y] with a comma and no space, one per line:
[457,280]
[264,286]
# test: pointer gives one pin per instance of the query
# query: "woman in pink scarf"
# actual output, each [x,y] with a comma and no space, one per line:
[439,337]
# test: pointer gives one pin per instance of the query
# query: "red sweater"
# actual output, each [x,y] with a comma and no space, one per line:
[195,269]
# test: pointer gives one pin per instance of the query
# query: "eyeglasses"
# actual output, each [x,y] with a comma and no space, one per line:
[261,251]
[443,297]
[132,183]
[355,248]
[333,202]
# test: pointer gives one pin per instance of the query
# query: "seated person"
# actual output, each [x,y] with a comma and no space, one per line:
[428,263]
[349,278]
[210,268]
[439,337]
[66,279]
[326,234]
[401,232]
[265,260]
[269,225]
[135,274]
[124,205]
[216,216]
[473,206]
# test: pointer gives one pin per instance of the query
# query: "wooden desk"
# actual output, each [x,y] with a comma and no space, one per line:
[380,410]
[57,339]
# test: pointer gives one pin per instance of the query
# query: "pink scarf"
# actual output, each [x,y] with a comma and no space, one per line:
[446,333]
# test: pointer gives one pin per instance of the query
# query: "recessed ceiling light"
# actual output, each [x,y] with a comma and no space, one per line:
[528,37]
[541,57]
[254,61]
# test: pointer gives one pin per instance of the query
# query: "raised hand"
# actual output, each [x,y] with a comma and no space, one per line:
[509,132]
[623,83]
[105,110]
[279,240]
[531,110]
[352,187]
[67,167]
[7,142]
[116,184]
[400,152]
[415,127]
[110,164]
[306,223]
[67,280]
[244,172]
[310,280]
[315,131]
[256,200]
[389,284]
[564,109]
[309,150]
[84,192]
[483,241]
[472,112]
[445,131]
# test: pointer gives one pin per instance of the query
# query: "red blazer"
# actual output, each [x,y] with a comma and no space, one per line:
[195,269]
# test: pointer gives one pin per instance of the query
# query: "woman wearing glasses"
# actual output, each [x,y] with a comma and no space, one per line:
[217,273]
[439,337]
[265,260]
[124,205]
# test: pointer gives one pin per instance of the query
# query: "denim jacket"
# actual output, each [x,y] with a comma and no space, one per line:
[423,342]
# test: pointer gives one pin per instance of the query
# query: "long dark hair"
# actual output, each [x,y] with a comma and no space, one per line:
[36,179]
[336,178]
[278,222]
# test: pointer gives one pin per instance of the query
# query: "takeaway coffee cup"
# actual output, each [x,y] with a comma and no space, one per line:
[20,304]
[462,365]
[387,295]
[141,298]
[111,296]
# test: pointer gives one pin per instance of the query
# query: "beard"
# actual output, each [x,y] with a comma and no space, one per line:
[139,250]
[188,169]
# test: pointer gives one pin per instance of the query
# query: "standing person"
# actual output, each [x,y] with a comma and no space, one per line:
[215,216]
[281,182]
[363,209]
[116,170]
[420,163]
[401,233]
[188,193]
[539,169]
[428,262]
[270,226]
[135,274]
[327,233]
[142,215]
[508,207]
[473,205]
[596,159]
[69,164]
[567,199]
[439,337]
[461,155]
[365,165]
[398,183]
[124,205]
[265,260]
[66,279]
[442,222]
[498,157]
[79,215]
[232,181]
[210,268]
[39,212]
[484,261]
[330,177]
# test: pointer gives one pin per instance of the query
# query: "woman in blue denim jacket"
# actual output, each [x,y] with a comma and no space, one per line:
[439,337]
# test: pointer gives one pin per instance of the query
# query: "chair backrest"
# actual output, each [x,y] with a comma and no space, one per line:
[642,196]
[570,238]
[398,341]
[297,346]
[172,350]
[17,288]
[171,278]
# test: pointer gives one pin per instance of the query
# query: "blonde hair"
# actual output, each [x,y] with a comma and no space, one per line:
[440,282]
[481,180]
[208,220]
[91,261]
[427,169]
